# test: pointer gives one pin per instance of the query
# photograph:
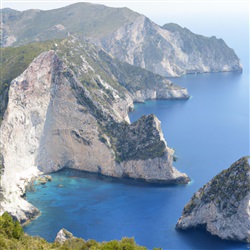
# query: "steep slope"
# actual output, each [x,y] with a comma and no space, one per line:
[169,50]
[208,54]
[13,61]
[130,37]
[69,109]
[222,206]
[142,84]
[80,18]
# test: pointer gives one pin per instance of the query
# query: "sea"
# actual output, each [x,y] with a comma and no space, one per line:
[208,132]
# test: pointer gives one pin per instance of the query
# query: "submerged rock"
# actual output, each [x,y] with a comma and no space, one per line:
[222,206]
[44,179]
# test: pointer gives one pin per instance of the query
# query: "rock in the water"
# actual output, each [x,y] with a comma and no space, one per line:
[44,179]
[64,235]
[222,206]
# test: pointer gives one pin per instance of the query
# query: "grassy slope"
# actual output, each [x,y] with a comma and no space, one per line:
[13,61]
[82,18]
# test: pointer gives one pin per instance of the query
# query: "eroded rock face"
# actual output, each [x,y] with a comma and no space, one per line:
[222,206]
[58,117]
[169,50]
[21,131]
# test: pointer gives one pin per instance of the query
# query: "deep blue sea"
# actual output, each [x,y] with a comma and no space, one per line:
[209,132]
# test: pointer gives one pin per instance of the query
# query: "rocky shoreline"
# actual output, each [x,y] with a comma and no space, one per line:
[222,206]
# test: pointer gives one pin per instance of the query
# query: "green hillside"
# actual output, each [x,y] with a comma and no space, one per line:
[80,18]
[13,61]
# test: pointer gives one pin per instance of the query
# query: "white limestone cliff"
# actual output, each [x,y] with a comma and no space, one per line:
[222,206]
[169,51]
[53,121]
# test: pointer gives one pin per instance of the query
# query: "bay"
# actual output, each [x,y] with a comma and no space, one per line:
[208,132]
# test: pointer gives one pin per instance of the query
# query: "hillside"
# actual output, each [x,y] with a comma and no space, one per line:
[222,205]
[13,61]
[130,37]
[80,18]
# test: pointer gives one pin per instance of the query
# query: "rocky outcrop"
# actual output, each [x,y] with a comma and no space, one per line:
[222,206]
[169,50]
[64,235]
[68,110]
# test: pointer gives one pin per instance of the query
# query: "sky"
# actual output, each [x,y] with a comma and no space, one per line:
[226,19]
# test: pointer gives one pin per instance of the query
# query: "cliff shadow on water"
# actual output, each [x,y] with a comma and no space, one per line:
[100,178]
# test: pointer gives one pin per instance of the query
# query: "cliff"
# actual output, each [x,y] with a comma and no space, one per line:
[169,50]
[69,108]
[14,60]
[222,206]
[130,37]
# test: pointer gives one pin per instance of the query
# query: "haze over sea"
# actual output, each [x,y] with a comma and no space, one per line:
[208,132]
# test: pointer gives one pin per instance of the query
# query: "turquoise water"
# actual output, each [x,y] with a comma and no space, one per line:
[209,132]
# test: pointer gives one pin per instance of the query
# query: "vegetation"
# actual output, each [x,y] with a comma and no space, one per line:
[140,140]
[137,141]
[80,18]
[226,189]
[13,237]
[13,61]
[92,91]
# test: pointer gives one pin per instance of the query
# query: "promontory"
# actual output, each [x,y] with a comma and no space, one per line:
[222,206]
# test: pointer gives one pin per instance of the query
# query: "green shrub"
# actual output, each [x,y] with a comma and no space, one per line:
[9,228]
[12,237]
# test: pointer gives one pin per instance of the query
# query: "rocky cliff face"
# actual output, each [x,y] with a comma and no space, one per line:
[169,50]
[130,37]
[21,131]
[69,110]
[222,206]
